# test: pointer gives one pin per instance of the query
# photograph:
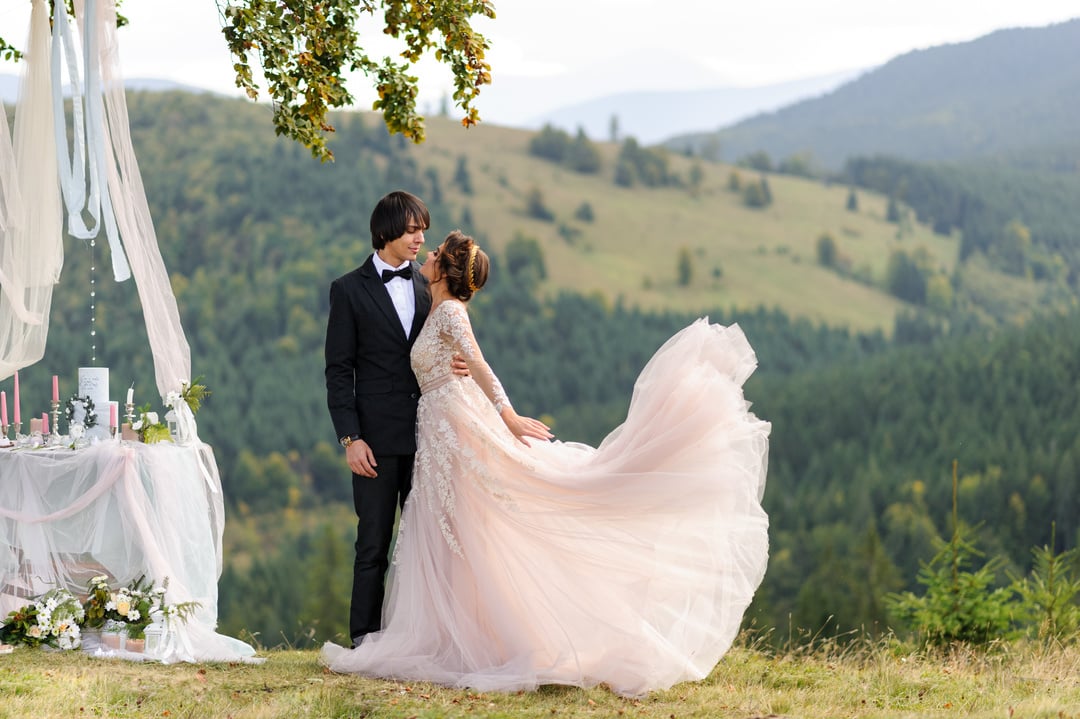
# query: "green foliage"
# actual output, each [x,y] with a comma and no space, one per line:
[462,178]
[983,203]
[584,212]
[645,165]
[684,267]
[1048,593]
[758,160]
[550,143]
[525,260]
[307,46]
[826,250]
[798,165]
[757,194]
[907,275]
[194,394]
[51,620]
[582,155]
[535,207]
[892,211]
[959,604]
[579,154]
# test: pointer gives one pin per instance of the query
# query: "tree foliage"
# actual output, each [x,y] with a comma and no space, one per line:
[305,47]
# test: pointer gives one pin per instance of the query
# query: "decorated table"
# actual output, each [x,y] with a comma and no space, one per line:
[123,510]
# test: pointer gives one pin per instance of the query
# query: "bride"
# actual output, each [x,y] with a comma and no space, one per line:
[521,563]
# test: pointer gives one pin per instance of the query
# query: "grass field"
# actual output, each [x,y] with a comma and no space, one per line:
[764,257]
[882,680]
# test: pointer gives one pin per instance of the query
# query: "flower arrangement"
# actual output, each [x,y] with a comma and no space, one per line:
[54,620]
[57,619]
[194,394]
[150,428]
[131,608]
[89,418]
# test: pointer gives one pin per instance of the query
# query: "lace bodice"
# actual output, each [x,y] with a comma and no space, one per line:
[446,333]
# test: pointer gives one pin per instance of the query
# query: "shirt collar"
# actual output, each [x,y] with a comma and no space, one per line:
[380,265]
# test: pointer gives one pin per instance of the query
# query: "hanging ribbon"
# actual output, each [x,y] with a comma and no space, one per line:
[90,146]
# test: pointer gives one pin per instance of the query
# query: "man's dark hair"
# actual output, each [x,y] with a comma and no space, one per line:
[393,214]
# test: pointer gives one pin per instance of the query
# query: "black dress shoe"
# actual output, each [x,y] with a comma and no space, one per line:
[358,640]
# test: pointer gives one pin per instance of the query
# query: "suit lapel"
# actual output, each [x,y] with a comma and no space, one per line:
[373,285]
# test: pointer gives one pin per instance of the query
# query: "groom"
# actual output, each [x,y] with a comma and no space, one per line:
[376,312]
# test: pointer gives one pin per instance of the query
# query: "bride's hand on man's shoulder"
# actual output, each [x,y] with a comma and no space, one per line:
[523,427]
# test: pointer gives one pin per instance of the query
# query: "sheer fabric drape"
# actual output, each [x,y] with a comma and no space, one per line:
[123,511]
[31,249]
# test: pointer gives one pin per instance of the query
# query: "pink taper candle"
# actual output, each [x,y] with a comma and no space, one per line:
[3,408]
[44,423]
[16,417]
[55,389]
[112,415]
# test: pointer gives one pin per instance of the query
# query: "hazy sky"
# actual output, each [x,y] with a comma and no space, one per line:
[630,44]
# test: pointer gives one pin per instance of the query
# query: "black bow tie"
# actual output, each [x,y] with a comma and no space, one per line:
[404,272]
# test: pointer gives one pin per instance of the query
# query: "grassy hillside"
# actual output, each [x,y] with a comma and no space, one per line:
[765,257]
[872,683]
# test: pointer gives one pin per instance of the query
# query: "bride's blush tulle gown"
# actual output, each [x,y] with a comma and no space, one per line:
[630,564]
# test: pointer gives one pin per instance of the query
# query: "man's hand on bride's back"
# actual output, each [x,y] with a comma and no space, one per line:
[523,427]
[459,367]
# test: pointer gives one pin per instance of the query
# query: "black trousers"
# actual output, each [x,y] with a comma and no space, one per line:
[376,500]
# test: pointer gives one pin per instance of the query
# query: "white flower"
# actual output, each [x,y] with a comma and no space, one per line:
[173,399]
[152,417]
[133,615]
[34,631]
[123,606]
[137,424]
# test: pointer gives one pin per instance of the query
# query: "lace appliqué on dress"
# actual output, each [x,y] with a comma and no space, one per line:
[451,437]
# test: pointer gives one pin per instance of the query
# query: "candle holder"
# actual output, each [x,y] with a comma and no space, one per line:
[129,412]
[54,417]
[3,431]
[18,428]
[112,433]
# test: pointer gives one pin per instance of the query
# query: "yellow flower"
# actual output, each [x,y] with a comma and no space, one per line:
[123,606]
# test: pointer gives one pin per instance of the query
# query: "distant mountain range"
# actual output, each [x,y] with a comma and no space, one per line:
[1000,95]
[651,117]
[657,106]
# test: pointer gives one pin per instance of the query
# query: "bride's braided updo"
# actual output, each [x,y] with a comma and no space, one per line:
[463,264]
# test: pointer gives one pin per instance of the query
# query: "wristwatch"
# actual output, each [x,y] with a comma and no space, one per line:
[346,441]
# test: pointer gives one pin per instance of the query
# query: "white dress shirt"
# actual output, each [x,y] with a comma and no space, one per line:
[401,293]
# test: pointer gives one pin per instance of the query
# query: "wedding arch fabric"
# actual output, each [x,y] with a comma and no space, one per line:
[31,250]
[629,565]
[123,511]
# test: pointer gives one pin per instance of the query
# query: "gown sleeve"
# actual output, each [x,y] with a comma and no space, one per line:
[458,330]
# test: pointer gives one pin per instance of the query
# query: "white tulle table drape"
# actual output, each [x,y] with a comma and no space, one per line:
[123,510]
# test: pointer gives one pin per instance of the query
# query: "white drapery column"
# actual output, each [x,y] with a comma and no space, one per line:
[31,249]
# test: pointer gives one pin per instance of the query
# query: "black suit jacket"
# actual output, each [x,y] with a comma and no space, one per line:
[370,386]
